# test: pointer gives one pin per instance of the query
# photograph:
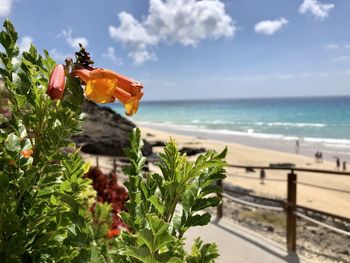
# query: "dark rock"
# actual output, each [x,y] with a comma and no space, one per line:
[106,132]
[191,151]
[150,134]
[157,144]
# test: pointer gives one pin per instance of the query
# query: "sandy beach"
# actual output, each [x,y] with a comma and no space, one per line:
[325,192]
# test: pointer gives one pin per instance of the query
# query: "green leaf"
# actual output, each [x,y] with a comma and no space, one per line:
[158,226]
[147,237]
[69,200]
[203,203]
[22,130]
[12,143]
[4,182]
[162,240]
[198,220]
[54,200]
[21,100]
[96,256]
[154,200]
[126,218]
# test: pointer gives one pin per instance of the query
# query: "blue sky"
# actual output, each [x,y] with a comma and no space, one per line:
[188,49]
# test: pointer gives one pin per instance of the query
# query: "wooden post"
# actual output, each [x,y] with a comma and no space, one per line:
[220,207]
[114,166]
[290,209]
[97,164]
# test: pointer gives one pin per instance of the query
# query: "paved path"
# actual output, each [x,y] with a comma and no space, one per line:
[239,245]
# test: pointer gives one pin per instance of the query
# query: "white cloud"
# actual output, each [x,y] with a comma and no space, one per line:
[284,76]
[186,22]
[331,46]
[305,74]
[73,41]
[25,43]
[315,8]
[341,59]
[58,55]
[110,54]
[141,56]
[269,27]
[5,7]
[347,46]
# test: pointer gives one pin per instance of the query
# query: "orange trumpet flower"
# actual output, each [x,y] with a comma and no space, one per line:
[27,153]
[56,83]
[104,86]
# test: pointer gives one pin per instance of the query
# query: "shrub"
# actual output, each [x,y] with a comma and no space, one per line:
[42,218]
[109,192]
[44,196]
[162,207]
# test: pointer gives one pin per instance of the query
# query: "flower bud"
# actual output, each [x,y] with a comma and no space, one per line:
[56,83]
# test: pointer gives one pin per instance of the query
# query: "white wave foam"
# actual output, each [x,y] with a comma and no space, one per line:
[327,142]
[259,123]
[214,122]
[291,124]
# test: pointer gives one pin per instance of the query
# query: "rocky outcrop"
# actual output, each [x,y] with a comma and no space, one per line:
[105,132]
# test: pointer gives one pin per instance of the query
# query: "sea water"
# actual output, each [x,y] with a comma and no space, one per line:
[317,122]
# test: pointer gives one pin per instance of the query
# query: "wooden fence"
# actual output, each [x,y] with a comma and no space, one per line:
[288,206]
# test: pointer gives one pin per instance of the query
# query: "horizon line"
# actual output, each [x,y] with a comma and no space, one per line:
[249,98]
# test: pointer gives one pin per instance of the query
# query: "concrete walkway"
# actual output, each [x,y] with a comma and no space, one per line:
[239,245]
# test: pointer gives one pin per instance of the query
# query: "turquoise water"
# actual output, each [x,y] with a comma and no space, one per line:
[323,120]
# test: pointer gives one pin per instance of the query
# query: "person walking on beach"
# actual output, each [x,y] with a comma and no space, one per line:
[337,164]
[262,176]
[344,166]
[317,157]
[297,145]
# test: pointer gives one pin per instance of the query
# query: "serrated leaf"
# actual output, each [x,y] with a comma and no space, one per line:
[70,202]
[198,220]
[203,203]
[157,204]
[158,226]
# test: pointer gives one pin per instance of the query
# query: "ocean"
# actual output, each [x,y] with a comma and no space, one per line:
[319,123]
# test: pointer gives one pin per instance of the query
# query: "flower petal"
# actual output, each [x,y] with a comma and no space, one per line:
[103,74]
[101,90]
[132,106]
[82,74]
